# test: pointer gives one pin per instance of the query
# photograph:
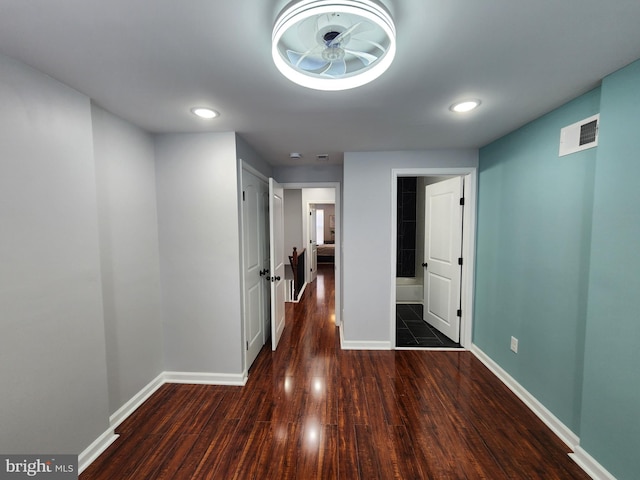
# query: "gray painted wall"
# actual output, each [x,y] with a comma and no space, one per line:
[127,217]
[198,221]
[53,373]
[293,220]
[308,173]
[367,243]
[247,154]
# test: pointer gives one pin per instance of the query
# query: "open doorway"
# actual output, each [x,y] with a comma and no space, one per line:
[304,204]
[433,225]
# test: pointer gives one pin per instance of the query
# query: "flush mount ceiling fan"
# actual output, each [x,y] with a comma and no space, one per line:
[330,45]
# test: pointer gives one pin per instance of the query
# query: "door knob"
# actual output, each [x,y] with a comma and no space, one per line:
[264,272]
[425,264]
[275,279]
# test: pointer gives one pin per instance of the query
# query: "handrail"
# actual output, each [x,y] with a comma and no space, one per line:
[297,261]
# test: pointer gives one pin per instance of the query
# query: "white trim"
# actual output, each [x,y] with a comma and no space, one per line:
[469,254]
[590,465]
[434,349]
[560,429]
[297,300]
[205,378]
[362,345]
[96,449]
[470,175]
[372,345]
[244,165]
[138,399]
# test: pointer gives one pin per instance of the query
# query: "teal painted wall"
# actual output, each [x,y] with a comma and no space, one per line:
[533,247]
[558,268]
[610,424]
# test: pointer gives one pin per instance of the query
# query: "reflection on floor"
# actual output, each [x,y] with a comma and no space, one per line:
[413,331]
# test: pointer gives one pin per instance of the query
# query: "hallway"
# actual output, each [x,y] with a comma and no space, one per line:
[310,410]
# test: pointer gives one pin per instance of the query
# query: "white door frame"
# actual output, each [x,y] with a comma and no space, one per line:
[338,256]
[243,166]
[277,261]
[311,245]
[468,242]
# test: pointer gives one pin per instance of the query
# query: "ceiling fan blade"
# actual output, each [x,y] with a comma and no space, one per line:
[366,44]
[348,31]
[307,32]
[336,69]
[305,61]
[364,57]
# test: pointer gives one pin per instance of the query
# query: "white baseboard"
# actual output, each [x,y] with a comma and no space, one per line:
[362,345]
[94,450]
[409,293]
[304,286]
[205,378]
[559,428]
[299,297]
[138,399]
[590,465]
[579,455]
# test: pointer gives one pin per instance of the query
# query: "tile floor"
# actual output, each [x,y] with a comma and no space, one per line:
[412,331]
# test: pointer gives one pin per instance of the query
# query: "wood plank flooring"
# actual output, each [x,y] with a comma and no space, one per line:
[312,411]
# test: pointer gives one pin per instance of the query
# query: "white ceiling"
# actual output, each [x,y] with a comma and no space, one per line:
[150,61]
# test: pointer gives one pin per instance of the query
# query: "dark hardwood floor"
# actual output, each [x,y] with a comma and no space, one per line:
[310,410]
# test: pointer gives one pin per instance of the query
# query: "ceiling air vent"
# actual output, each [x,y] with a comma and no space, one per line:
[579,136]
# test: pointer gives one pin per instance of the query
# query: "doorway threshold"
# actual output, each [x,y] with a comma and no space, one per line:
[415,333]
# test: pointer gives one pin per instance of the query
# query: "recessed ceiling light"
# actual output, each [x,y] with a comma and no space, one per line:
[465,106]
[333,45]
[204,112]
[295,155]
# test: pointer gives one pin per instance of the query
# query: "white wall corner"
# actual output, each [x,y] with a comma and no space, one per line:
[96,449]
[590,465]
[205,378]
[362,345]
[560,429]
[138,399]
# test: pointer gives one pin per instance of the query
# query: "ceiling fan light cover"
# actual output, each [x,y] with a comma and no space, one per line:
[333,45]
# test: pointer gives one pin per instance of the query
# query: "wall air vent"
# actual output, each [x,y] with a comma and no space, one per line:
[579,136]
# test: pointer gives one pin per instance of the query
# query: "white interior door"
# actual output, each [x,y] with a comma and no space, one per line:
[442,249]
[266,265]
[277,262]
[253,241]
[313,245]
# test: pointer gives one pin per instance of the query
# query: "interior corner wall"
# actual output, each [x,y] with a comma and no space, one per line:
[198,225]
[610,421]
[52,347]
[127,218]
[366,234]
[293,220]
[532,257]
[247,154]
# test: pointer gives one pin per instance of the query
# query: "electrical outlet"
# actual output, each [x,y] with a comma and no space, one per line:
[514,344]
